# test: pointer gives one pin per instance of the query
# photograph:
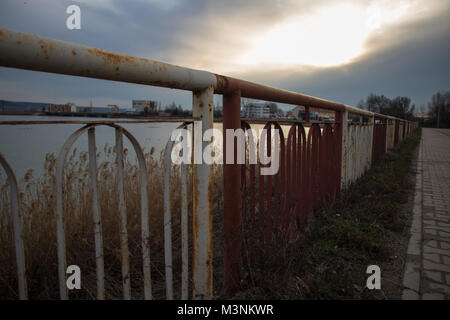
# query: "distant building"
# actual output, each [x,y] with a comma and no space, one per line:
[314,114]
[256,110]
[299,113]
[113,107]
[295,113]
[144,106]
[85,109]
[68,107]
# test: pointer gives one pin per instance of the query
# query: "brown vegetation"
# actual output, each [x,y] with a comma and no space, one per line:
[37,204]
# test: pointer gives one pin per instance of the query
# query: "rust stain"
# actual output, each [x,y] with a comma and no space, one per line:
[195,200]
[19,42]
[195,223]
[210,258]
[196,229]
[143,59]
[74,52]
[170,84]
[112,58]
[44,48]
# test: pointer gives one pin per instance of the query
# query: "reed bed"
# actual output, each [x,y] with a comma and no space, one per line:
[38,208]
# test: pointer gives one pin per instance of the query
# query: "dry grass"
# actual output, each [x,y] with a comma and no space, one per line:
[37,204]
[329,260]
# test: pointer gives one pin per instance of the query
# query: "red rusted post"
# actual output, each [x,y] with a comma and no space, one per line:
[232,197]
[293,177]
[268,215]
[307,114]
[339,119]
[298,176]
[379,139]
[304,174]
[404,130]
[374,141]
[396,132]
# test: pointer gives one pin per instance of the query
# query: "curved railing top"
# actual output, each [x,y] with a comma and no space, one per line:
[32,52]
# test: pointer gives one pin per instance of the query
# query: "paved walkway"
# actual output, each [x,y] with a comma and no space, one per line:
[427,270]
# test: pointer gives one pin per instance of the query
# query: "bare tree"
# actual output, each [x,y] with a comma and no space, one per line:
[439,109]
[398,107]
[376,103]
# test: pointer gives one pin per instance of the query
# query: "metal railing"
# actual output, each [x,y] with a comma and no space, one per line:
[314,165]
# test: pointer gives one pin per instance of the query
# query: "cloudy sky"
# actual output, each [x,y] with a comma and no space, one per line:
[338,50]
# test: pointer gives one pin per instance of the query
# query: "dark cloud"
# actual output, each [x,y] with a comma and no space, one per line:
[412,62]
[411,59]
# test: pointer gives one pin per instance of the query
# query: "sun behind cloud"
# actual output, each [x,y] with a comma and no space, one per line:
[328,36]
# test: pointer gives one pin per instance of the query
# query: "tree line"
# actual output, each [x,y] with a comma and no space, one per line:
[399,107]
[439,110]
[435,114]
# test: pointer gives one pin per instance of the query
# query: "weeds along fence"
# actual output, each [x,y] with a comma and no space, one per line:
[317,160]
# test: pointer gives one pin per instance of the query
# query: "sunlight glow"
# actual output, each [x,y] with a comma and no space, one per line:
[328,36]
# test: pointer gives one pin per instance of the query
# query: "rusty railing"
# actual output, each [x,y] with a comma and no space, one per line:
[317,159]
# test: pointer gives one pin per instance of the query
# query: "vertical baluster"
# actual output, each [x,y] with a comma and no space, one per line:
[17,229]
[184,234]
[145,231]
[60,233]
[269,189]
[168,222]
[96,216]
[123,218]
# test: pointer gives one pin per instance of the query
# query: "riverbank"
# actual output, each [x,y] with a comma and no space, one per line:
[112,115]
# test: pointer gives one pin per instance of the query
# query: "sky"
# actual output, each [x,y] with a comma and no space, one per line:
[337,50]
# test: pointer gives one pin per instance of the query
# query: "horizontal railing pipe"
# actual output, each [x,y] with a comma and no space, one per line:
[262,92]
[32,52]
[354,110]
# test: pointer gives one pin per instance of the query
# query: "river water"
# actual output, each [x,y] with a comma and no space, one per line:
[25,146]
